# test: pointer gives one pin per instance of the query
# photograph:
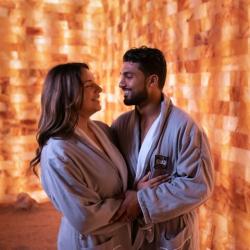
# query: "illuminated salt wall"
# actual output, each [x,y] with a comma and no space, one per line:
[35,35]
[206,44]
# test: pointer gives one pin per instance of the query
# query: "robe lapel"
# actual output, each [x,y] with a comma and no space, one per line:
[134,128]
[113,154]
[165,108]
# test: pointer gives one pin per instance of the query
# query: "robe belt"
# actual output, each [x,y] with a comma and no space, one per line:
[144,232]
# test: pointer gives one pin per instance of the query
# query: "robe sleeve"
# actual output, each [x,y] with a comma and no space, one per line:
[86,211]
[191,184]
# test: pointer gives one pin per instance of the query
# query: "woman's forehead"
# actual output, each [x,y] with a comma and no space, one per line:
[87,75]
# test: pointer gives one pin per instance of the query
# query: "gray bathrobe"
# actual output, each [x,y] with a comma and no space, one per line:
[181,151]
[84,184]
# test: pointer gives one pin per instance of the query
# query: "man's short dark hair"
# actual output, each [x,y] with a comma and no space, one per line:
[151,61]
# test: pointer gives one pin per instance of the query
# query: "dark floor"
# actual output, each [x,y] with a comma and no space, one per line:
[34,229]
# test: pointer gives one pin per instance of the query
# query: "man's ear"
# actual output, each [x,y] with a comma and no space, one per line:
[153,80]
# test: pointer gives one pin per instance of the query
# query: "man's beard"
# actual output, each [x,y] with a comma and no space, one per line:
[137,99]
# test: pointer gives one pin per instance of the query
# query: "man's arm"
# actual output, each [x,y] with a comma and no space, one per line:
[130,208]
[190,187]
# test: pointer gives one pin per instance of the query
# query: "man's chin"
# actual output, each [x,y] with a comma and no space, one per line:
[128,102]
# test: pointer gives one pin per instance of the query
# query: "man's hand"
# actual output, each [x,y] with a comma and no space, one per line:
[145,182]
[129,209]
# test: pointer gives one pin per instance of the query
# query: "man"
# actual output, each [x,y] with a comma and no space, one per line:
[156,139]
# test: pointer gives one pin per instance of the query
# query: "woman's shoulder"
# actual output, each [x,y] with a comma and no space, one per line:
[57,142]
[101,124]
[56,147]
[106,129]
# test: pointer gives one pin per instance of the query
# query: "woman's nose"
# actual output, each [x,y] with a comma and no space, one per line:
[99,88]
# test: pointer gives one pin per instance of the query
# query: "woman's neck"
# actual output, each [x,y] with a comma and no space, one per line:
[83,123]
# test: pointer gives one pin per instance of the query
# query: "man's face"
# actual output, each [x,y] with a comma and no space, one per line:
[133,83]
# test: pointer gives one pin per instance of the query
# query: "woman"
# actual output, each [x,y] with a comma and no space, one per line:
[82,172]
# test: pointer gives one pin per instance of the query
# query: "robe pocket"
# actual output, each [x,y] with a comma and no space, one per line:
[180,241]
[107,245]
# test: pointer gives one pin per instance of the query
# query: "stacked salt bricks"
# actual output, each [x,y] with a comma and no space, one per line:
[206,44]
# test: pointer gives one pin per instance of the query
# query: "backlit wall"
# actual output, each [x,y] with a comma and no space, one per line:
[206,44]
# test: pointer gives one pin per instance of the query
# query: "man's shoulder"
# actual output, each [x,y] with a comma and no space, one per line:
[179,113]
[124,119]
[181,118]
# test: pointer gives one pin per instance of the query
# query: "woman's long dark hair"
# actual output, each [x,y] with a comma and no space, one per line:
[61,101]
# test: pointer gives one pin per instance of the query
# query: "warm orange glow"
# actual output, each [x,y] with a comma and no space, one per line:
[206,44]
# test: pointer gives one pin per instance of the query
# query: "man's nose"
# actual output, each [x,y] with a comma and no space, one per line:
[122,83]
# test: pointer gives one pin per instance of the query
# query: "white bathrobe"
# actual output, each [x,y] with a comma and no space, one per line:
[84,183]
[179,150]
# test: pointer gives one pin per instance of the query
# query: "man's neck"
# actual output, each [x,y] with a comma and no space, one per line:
[148,113]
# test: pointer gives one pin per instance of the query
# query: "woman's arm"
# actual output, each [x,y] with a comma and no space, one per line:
[81,205]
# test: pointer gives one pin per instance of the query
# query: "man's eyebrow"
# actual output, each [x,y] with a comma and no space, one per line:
[127,73]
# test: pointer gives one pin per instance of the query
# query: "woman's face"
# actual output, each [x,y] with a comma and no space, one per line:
[91,102]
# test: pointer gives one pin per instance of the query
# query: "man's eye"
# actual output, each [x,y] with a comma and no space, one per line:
[129,76]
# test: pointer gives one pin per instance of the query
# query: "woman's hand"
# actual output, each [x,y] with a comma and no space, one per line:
[145,182]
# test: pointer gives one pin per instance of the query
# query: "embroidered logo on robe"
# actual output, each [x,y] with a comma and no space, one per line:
[161,166]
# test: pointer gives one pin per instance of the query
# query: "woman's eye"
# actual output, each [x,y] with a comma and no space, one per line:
[92,86]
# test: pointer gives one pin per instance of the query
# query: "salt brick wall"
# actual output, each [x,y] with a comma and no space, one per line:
[36,35]
[206,44]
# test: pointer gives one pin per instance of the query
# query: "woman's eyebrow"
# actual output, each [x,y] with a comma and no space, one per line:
[90,81]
